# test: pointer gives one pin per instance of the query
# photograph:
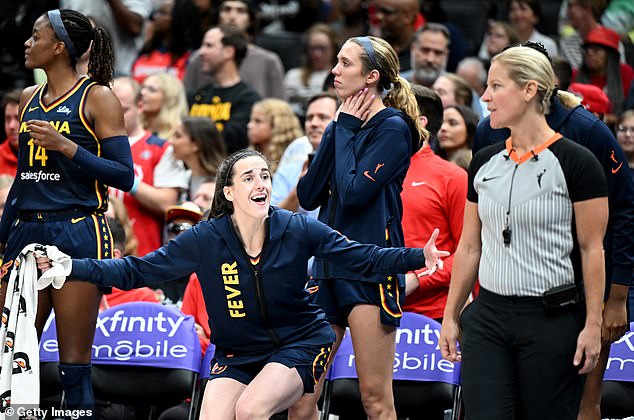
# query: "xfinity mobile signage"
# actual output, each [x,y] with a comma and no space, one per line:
[139,333]
[621,360]
[417,355]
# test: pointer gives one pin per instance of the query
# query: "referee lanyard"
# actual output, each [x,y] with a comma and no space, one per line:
[512,154]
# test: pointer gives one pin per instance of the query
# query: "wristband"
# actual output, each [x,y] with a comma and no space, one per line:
[135,186]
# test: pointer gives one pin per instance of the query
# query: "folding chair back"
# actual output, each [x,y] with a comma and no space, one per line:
[424,383]
[617,393]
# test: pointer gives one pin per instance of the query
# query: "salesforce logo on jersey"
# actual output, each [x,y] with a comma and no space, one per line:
[417,355]
[138,333]
[621,359]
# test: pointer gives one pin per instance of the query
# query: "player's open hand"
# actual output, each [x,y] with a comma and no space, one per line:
[433,257]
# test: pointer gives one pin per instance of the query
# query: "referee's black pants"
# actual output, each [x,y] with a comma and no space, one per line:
[517,359]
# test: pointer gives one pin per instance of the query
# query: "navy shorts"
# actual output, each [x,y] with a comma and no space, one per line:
[337,298]
[310,362]
[77,234]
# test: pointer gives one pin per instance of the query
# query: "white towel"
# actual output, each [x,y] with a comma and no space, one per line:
[20,358]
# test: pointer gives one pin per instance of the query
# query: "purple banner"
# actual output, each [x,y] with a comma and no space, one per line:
[417,355]
[621,359]
[137,333]
[205,367]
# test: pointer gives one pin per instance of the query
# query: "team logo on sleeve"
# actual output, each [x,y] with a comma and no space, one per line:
[615,170]
[367,173]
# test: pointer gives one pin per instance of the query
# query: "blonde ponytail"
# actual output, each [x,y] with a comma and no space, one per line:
[402,98]
[567,99]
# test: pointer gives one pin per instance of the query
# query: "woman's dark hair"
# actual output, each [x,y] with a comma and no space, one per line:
[563,72]
[614,83]
[220,205]
[185,33]
[202,132]
[82,34]
[470,120]
[532,4]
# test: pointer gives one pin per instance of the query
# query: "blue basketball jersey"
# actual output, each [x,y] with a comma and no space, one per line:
[48,180]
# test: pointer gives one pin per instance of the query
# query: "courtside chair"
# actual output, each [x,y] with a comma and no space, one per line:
[144,355]
[425,385]
[617,393]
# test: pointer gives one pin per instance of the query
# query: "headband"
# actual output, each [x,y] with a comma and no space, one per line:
[58,27]
[239,156]
[366,44]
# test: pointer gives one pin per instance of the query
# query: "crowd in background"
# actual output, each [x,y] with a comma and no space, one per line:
[198,80]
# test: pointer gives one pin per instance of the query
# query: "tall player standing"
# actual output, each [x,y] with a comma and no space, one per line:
[72,146]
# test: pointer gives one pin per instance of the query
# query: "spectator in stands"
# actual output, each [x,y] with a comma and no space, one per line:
[9,147]
[204,195]
[163,103]
[433,11]
[319,57]
[453,90]
[194,305]
[524,15]
[176,32]
[619,16]
[261,69]
[434,193]
[429,53]
[625,136]
[228,100]
[320,112]
[473,71]
[601,67]
[456,134]
[582,17]
[179,219]
[159,178]
[430,114]
[5,186]
[396,19]
[527,340]
[125,21]
[272,127]
[563,72]
[199,145]
[568,117]
[499,36]
[205,13]
[351,19]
